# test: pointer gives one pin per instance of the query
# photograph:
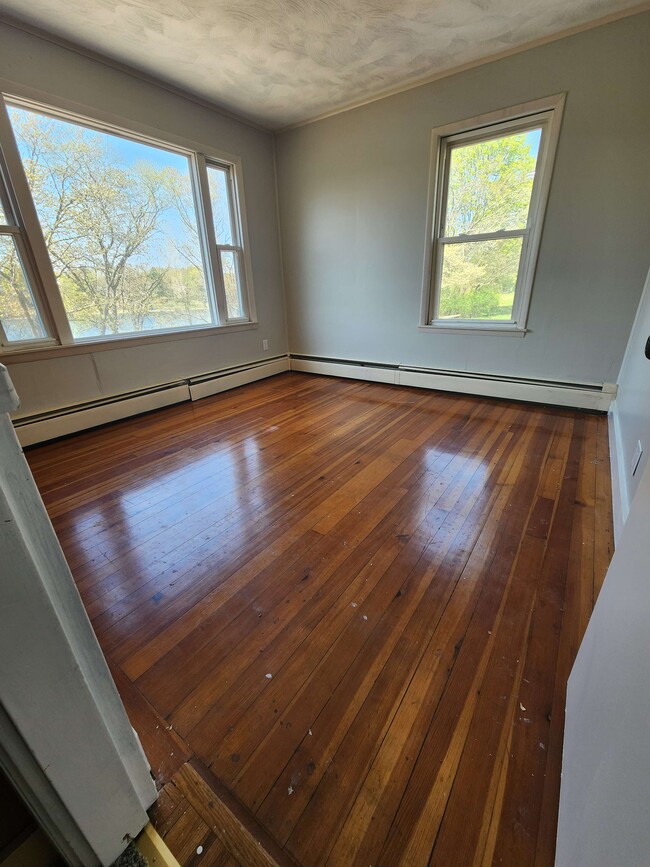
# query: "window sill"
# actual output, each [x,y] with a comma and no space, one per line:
[42,353]
[466,328]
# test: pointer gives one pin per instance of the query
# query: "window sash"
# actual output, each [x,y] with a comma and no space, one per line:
[15,227]
[488,132]
[236,247]
[17,201]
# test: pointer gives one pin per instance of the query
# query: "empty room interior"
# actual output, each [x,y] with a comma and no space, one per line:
[324,425]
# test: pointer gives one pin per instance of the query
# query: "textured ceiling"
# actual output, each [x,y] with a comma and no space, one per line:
[282,61]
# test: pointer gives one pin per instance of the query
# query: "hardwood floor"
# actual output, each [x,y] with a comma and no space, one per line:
[345,611]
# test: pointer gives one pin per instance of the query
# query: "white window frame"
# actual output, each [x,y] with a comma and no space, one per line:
[15,228]
[545,113]
[37,261]
[237,247]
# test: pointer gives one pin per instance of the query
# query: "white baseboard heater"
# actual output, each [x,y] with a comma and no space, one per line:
[59,422]
[590,396]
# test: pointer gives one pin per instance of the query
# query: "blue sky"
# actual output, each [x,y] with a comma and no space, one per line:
[128,153]
[533,139]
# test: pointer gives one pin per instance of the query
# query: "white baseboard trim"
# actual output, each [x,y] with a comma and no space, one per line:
[68,420]
[226,381]
[620,496]
[558,394]
[350,371]
[40,430]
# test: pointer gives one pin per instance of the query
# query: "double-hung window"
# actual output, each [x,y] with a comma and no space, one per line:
[490,183]
[22,322]
[124,236]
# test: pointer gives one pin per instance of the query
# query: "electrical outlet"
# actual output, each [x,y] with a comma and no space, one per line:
[265,344]
[636,457]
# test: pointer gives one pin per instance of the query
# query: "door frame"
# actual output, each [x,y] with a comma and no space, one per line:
[66,742]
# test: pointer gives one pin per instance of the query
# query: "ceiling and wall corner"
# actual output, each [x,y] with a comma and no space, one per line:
[49,73]
[341,154]
[280,63]
[353,204]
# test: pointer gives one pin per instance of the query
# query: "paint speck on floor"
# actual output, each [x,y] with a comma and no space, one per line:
[268,676]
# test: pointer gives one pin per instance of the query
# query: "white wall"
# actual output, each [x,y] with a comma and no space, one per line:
[353,192]
[52,70]
[605,797]
[630,413]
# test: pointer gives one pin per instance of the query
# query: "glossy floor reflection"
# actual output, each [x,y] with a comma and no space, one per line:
[355,604]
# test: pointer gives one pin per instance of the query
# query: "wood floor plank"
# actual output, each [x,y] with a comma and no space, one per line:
[395,529]
[420,797]
[341,614]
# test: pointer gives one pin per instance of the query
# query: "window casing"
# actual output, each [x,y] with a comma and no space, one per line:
[24,322]
[489,183]
[168,183]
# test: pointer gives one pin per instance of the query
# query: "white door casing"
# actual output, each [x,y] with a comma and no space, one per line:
[66,741]
[604,816]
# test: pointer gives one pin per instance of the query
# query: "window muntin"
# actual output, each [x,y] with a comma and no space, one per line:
[20,318]
[490,183]
[227,233]
[487,192]
[118,225]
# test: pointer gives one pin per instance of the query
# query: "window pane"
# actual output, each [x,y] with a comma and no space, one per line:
[218,182]
[230,268]
[479,279]
[3,215]
[490,184]
[20,317]
[120,225]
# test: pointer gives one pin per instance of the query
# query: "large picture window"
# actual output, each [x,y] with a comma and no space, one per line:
[140,237]
[490,191]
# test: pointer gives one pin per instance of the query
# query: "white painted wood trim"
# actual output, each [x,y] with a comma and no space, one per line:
[9,400]
[579,398]
[86,347]
[41,430]
[548,111]
[232,380]
[36,790]
[620,495]
[508,330]
[66,420]
[576,396]
[55,686]
[350,371]
[605,790]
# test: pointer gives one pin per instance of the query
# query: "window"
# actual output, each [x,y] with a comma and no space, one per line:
[491,182]
[228,242]
[137,237]
[21,319]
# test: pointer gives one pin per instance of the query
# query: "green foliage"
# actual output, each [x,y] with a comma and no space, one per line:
[122,238]
[490,184]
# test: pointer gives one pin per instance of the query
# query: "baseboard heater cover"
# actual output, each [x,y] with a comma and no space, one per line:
[56,423]
[206,385]
[590,396]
